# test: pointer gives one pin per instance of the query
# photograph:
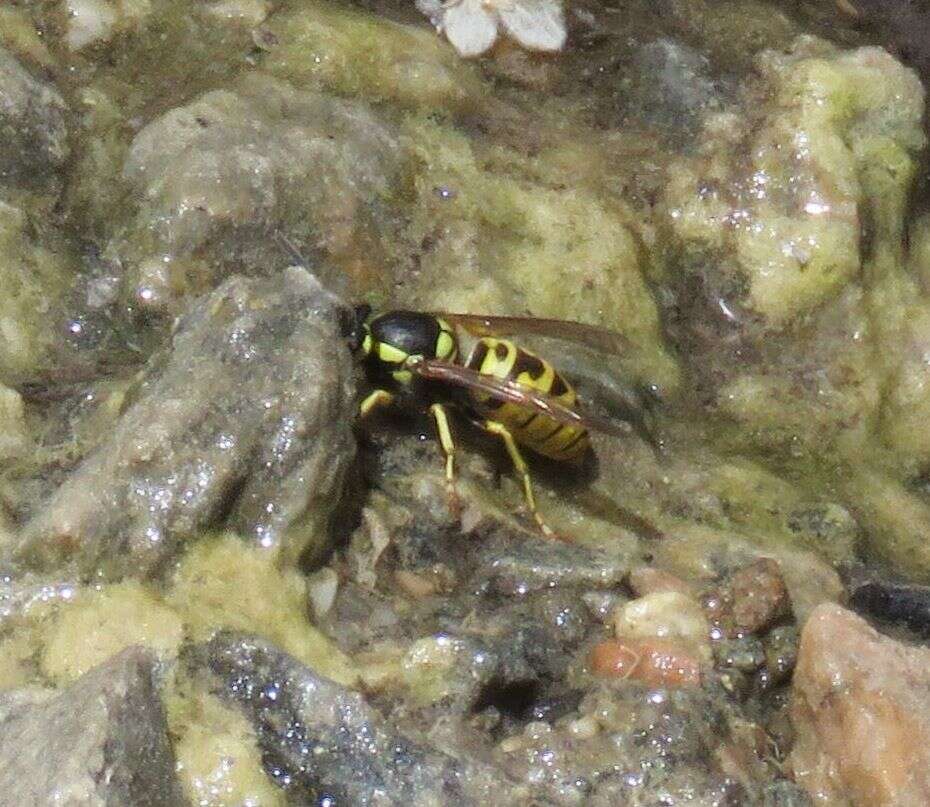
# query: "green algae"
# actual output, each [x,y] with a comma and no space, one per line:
[35,282]
[352,53]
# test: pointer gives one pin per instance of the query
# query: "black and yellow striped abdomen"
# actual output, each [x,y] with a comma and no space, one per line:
[502,359]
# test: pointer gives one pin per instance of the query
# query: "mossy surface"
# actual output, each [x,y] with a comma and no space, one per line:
[217,586]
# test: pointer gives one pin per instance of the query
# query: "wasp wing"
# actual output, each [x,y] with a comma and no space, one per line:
[513,392]
[591,336]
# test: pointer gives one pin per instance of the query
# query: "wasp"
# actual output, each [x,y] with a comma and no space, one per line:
[505,389]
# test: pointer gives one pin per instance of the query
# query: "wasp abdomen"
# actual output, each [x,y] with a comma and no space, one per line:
[502,359]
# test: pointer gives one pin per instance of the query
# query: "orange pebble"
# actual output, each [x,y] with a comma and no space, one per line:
[613,659]
[653,661]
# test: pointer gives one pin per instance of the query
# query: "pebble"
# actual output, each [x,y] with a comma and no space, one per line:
[654,662]
[665,615]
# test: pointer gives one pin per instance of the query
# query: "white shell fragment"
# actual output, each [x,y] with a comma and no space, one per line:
[472,26]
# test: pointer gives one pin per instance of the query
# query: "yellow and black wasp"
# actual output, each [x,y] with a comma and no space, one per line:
[505,389]
[415,356]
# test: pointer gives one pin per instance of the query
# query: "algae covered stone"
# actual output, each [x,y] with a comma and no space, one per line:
[101,623]
[218,759]
[511,241]
[35,281]
[222,583]
[216,176]
[786,223]
[353,53]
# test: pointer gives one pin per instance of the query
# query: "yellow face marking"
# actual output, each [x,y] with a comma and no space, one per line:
[366,344]
[402,376]
[391,354]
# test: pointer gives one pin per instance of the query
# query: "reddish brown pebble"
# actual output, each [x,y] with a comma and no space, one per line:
[613,659]
[751,601]
[652,661]
[759,596]
[649,580]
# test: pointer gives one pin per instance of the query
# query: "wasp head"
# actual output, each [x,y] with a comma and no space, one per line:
[355,327]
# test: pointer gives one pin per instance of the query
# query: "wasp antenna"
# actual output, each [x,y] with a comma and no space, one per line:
[289,247]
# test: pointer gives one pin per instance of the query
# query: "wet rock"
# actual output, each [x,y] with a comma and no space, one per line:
[649,580]
[785,794]
[625,744]
[94,21]
[665,615]
[781,656]
[21,593]
[791,246]
[759,596]
[711,556]
[32,125]
[451,669]
[318,45]
[102,741]
[244,420]
[745,654]
[534,638]
[325,739]
[15,439]
[217,175]
[517,567]
[860,710]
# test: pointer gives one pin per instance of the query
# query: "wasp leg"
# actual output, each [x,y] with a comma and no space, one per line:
[519,464]
[438,411]
[374,400]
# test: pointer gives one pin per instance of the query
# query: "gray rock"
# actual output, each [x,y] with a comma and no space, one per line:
[102,742]
[32,125]
[218,174]
[515,568]
[323,739]
[246,421]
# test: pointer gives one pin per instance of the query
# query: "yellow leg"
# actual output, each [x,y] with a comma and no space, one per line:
[519,464]
[375,399]
[438,411]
